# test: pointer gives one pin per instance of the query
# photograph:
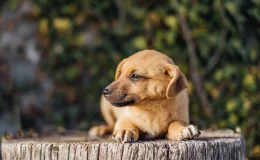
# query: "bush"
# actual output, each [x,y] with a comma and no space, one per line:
[83,41]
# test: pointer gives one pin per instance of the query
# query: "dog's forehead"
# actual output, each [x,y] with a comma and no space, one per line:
[149,57]
[142,68]
[147,62]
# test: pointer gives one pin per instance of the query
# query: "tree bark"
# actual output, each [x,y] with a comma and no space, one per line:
[194,69]
[211,145]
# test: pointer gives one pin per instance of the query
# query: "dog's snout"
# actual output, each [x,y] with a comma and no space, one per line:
[107,92]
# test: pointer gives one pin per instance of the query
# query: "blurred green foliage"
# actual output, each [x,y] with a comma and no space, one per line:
[83,41]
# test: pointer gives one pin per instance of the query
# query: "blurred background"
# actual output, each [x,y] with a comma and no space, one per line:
[57,56]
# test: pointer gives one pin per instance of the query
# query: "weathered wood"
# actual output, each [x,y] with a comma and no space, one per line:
[219,145]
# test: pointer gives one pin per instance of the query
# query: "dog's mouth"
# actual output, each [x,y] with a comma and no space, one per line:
[123,103]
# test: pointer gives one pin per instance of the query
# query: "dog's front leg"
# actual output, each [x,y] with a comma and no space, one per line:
[125,131]
[177,130]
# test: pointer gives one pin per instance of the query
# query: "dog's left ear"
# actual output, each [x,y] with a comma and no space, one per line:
[178,81]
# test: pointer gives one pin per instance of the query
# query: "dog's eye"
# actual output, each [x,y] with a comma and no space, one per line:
[135,77]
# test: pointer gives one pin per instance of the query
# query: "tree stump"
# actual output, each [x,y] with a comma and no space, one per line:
[217,145]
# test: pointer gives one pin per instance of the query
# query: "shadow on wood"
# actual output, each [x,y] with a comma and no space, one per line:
[211,145]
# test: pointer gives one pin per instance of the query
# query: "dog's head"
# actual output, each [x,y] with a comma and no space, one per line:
[145,76]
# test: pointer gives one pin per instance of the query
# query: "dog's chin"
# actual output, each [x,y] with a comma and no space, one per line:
[123,103]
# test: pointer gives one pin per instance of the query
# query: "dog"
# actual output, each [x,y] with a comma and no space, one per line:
[147,100]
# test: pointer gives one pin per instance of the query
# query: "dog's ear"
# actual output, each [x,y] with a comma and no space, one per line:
[178,81]
[118,70]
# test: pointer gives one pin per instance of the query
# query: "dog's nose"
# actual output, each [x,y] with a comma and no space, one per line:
[106,92]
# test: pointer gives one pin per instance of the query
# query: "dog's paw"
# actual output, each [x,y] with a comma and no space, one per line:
[125,136]
[190,132]
[100,130]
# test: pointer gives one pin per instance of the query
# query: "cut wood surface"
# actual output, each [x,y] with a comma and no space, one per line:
[217,145]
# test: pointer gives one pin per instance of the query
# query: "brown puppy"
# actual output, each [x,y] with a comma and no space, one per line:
[147,100]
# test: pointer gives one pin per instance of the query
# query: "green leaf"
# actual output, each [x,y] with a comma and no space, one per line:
[171,21]
[140,42]
[72,72]
[13,4]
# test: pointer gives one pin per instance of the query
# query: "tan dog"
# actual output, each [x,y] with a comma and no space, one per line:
[147,100]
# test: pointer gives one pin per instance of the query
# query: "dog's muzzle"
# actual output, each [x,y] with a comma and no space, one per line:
[117,98]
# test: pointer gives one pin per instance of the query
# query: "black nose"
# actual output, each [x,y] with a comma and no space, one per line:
[106,92]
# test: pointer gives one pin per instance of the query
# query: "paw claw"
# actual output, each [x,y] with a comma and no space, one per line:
[190,132]
[124,136]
